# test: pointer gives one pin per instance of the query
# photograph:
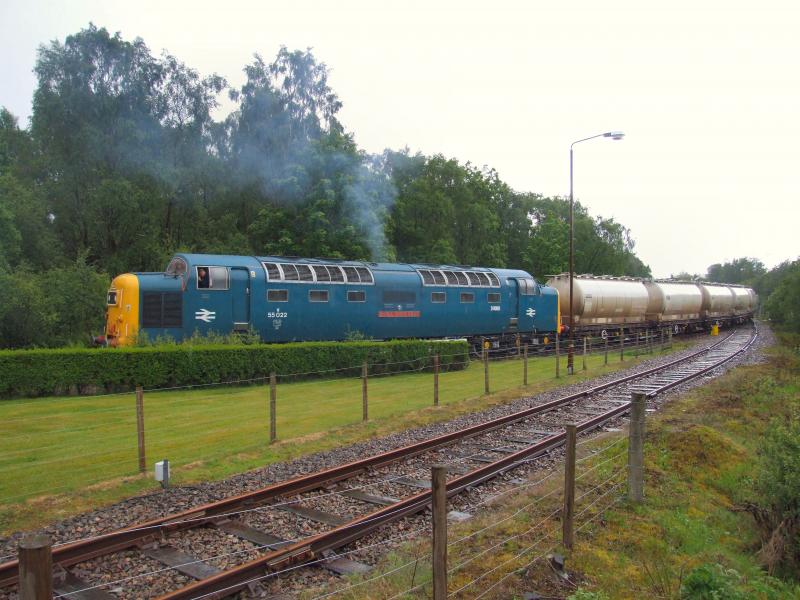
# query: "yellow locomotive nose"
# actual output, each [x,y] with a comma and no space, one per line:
[122,315]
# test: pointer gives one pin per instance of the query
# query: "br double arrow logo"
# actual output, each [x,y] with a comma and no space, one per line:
[205,315]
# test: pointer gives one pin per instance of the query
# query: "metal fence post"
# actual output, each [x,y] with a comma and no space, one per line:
[605,359]
[636,448]
[35,568]
[140,427]
[584,352]
[525,365]
[436,379]
[485,368]
[568,516]
[439,510]
[364,405]
[273,401]
[558,356]
[621,344]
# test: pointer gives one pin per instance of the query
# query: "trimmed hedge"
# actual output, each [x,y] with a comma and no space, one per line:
[102,370]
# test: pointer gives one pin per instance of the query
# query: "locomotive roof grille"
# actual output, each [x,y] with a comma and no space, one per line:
[317,273]
[437,277]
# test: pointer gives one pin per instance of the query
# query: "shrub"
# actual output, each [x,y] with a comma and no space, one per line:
[712,582]
[87,370]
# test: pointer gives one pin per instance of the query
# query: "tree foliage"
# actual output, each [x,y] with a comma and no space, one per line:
[124,163]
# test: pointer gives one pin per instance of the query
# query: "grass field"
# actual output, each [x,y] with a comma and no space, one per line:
[62,455]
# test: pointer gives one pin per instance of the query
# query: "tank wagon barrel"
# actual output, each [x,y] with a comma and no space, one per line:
[602,302]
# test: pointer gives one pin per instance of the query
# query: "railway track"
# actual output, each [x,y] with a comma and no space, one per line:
[286,524]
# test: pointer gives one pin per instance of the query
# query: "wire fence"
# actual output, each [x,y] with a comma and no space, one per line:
[88,440]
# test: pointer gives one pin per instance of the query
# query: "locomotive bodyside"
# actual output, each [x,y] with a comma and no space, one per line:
[287,300]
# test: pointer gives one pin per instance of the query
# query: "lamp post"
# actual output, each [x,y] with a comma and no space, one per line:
[614,135]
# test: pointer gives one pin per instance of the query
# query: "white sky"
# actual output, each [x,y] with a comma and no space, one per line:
[708,94]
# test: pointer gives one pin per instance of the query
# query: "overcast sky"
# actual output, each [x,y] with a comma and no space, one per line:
[707,93]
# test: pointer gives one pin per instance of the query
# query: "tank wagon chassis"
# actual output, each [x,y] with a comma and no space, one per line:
[485,451]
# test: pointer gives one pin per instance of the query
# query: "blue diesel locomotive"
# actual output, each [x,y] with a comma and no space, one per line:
[292,299]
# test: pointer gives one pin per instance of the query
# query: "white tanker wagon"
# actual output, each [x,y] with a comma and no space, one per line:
[605,302]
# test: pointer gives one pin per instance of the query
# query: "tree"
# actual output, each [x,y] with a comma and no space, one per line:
[783,304]
[745,271]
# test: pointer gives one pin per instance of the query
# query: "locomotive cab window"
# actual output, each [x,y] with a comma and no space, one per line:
[467,297]
[176,267]
[318,296]
[356,296]
[493,298]
[438,297]
[112,298]
[212,278]
[278,295]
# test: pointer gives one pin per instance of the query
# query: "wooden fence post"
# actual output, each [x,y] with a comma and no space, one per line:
[584,352]
[606,350]
[636,448]
[436,379]
[669,335]
[273,401]
[485,368]
[439,510]
[558,356]
[525,366]
[621,344]
[140,427]
[35,568]
[568,516]
[364,405]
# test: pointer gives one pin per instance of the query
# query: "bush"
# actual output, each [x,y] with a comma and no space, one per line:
[777,508]
[712,582]
[88,371]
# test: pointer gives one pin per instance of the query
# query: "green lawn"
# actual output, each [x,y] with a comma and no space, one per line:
[51,449]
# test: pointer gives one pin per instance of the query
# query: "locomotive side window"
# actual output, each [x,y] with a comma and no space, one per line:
[212,278]
[278,295]
[438,297]
[399,297]
[273,272]
[305,272]
[364,273]
[356,296]
[467,297]
[318,296]
[111,299]
[352,275]
[493,298]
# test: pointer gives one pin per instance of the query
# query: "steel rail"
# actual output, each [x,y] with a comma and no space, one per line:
[232,580]
[138,534]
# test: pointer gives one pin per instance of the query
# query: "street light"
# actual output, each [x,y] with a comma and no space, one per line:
[614,135]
